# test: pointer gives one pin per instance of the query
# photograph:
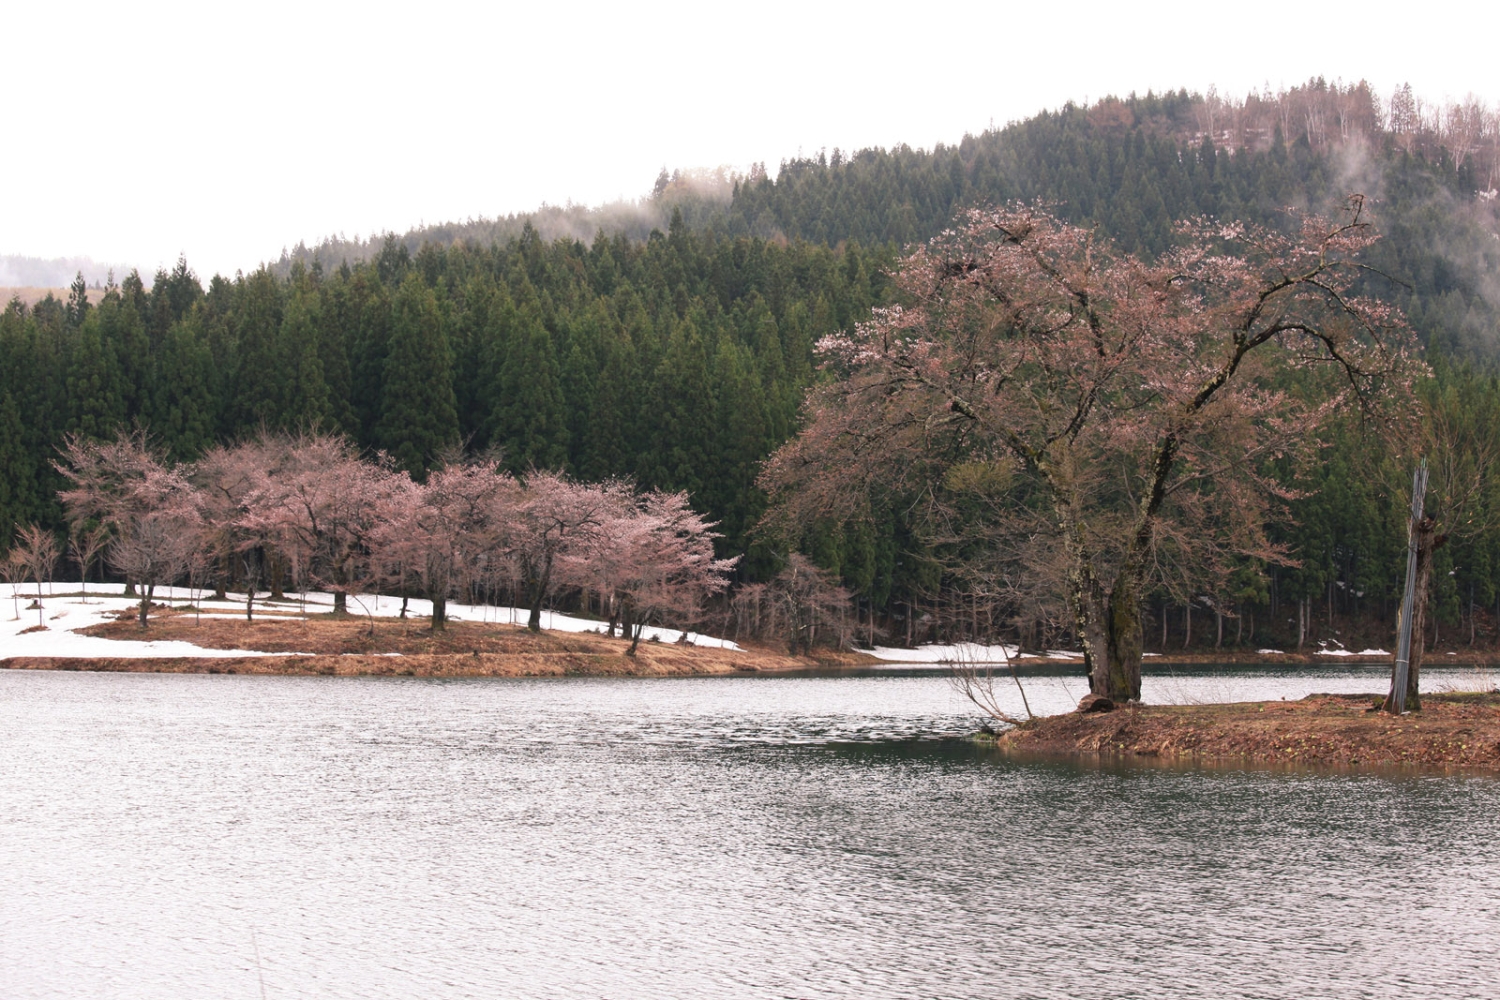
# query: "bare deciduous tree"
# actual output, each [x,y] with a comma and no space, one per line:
[85,545]
[811,605]
[13,568]
[1461,444]
[37,549]
[151,511]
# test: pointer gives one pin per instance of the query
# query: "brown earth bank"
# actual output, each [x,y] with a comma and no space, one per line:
[1455,731]
[348,646]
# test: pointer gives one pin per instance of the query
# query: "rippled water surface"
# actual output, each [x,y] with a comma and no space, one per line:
[220,837]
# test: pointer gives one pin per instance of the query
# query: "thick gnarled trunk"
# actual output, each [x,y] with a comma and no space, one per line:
[1113,639]
[1108,624]
[1122,679]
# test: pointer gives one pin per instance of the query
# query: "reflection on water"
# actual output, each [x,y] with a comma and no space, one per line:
[735,837]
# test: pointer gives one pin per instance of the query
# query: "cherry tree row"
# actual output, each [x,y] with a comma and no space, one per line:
[333,520]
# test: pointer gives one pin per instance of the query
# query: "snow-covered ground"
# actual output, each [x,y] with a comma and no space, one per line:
[961,652]
[65,616]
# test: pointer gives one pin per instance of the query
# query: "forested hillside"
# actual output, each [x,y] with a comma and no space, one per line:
[1133,167]
[679,361]
[675,341]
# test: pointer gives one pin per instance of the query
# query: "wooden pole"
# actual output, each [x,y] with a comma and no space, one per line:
[1396,703]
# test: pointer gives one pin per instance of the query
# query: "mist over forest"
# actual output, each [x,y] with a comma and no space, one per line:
[56,272]
[672,339]
[1306,147]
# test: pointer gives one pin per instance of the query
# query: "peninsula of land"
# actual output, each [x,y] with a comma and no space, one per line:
[1453,731]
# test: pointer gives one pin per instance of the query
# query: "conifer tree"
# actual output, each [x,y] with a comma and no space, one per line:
[418,411]
[740,426]
[261,371]
[17,481]
[613,417]
[180,404]
[338,323]
[680,449]
[307,403]
[370,302]
[78,302]
[528,420]
[96,388]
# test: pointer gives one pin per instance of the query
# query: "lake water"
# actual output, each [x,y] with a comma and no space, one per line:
[807,837]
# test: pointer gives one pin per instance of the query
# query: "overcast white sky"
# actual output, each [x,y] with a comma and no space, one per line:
[137,130]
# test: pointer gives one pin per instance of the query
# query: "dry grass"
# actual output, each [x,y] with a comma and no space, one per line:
[30,295]
[347,646]
[1457,731]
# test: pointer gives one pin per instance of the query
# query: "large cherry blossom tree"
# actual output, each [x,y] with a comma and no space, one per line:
[443,533]
[653,557]
[322,506]
[548,518]
[1087,421]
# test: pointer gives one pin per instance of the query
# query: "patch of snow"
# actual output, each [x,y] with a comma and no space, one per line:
[105,602]
[963,652]
[1271,652]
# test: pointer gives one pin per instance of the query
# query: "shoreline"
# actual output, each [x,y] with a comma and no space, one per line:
[1453,732]
[412,665]
[351,646]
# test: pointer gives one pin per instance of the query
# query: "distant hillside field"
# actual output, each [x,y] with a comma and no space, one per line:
[31,295]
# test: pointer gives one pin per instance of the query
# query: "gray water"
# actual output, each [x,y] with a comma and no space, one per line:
[221,837]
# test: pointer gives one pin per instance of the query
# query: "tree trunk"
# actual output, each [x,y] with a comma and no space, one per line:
[628,628]
[1427,543]
[534,608]
[1187,624]
[340,602]
[1126,642]
[278,577]
[145,606]
[440,613]
[1471,612]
